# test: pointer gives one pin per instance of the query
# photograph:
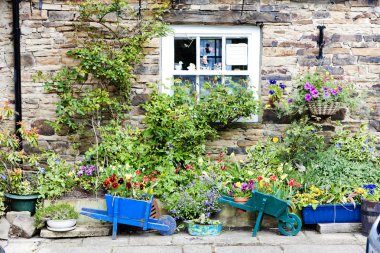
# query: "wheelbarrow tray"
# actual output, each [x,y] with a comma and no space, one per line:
[131,212]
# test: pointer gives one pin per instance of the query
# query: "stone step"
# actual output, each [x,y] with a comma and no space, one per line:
[326,228]
[79,231]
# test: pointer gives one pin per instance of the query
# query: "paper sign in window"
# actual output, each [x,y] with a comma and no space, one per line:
[237,54]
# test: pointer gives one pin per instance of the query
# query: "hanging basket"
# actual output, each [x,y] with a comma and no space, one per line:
[323,108]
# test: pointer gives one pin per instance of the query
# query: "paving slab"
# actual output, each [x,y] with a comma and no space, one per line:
[323,248]
[197,249]
[148,249]
[323,239]
[121,240]
[269,237]
[149,239]
[326,228]
[75,249]
[235,238]
[249,249]
[186,239]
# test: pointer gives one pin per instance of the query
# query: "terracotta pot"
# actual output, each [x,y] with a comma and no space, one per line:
[241,200]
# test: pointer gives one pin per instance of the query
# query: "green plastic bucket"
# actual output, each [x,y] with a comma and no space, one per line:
[22,203]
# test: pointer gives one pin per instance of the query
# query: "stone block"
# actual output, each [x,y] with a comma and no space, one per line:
[344,59]
[325,228]
[43,127]
[11,216]
[369,59]
[197,249]
[151,249]
[76,249]
[61,15]
[79,231]
[322,248]
[4,228]
[24,226]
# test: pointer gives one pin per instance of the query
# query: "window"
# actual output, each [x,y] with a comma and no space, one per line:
[199,54]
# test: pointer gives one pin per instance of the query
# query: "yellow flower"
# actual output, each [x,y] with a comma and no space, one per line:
[313,201]
[283,176]
[360,190]
[275,139]
[71,173]
[261,183]
[238,184]
[267,106]
[128,176]
[151,191]
[279,169]
[200,161]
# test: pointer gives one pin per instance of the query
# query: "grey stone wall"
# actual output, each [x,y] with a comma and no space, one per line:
[289,35]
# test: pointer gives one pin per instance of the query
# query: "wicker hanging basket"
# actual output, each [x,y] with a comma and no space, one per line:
[323,108]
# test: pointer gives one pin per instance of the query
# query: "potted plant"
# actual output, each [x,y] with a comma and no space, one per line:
[204,226]
[58,217]
[370,205]
[241,192]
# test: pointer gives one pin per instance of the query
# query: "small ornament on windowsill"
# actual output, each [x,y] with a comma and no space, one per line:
[178,66]
[205,64]
[191,66]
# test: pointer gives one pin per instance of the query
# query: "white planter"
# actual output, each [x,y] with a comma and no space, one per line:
[61,224]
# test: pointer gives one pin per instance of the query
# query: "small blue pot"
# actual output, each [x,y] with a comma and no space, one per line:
[203,230]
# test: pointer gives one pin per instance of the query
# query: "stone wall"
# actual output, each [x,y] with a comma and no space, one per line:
[289,35]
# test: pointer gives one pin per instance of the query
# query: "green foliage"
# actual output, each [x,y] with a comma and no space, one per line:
[2,206]
[61,211]
[360,146]
[98,87]
[57,178]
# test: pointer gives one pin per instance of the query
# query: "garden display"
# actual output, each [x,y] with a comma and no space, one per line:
[204,226]
[58,217]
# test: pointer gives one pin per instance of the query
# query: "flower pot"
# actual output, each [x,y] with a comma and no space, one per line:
[203,230]
[323,109]
[241,200]
[370,210]
[22,203]
[61,225]
[331,213]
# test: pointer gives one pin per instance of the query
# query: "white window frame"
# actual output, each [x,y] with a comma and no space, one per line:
[254,55]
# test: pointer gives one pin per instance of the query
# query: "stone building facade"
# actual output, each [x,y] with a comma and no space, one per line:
[288,45]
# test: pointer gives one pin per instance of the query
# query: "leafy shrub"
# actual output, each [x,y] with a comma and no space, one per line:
[61,211]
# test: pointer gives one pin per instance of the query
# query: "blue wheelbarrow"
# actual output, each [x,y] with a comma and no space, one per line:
[288,223]
[131,212]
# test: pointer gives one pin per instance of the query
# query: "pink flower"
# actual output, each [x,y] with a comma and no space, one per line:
[308,97]
[307,86]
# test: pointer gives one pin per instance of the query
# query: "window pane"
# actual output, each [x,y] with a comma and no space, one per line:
[211,53]
[205,81]
[184,53]
[186,80]
[237,53]
[232,81]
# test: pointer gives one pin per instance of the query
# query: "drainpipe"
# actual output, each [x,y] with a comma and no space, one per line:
[17,66]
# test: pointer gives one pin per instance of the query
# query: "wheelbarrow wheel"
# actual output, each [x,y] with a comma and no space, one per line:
[290,228]
[170,222]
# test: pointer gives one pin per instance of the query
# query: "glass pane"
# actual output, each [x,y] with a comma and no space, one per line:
[211,53]
[186,80]
[232,81]
[236,54]
[205,81]
[185,53]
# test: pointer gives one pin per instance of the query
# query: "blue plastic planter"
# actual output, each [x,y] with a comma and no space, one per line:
[203,230]
[337,213]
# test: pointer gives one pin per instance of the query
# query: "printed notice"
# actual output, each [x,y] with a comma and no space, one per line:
[237,54]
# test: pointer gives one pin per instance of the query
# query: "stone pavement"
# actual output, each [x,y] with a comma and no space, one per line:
[267,241]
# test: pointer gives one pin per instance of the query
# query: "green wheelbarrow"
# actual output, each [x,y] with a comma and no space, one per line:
[288,223]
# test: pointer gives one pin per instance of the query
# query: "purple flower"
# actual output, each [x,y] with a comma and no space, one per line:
[326,94]
[371,149]
[290,100]
[314,93]
[366,141]
[340,88]
[230,193]
[4,177]
[338,145]
[307,86]
[324,88]
[251,181]
[308,97]
[362,149]
[57,161]
[334,92]
[272,81]
[42,171]
[272,92]
[282,86]
[80,173]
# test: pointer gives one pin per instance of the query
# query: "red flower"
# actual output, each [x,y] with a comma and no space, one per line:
[273,178]
[260,178]
[155,172]
[177,170]
[293,182]
[106,183]
[189,167]
[153,179]
[128,185]
[138,172]
[223,167]
[145,179]
[141,186]
[121,180]
[115,185]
